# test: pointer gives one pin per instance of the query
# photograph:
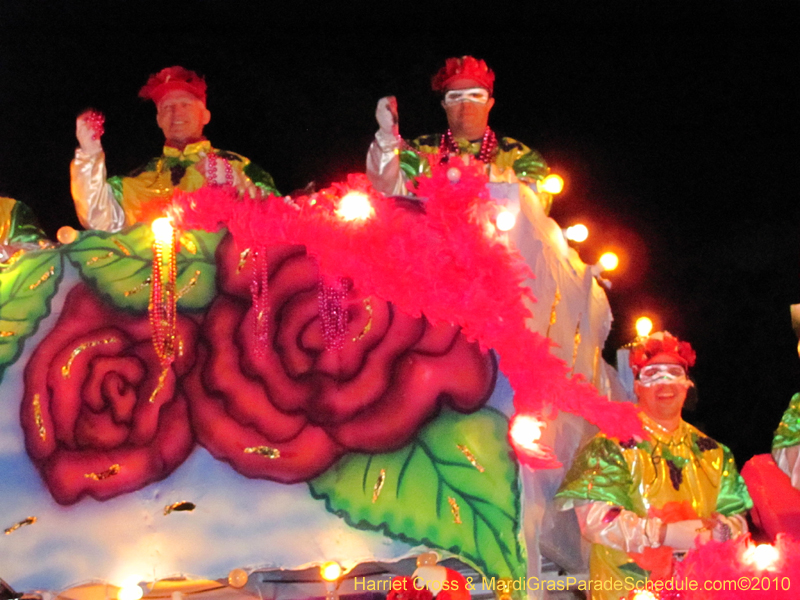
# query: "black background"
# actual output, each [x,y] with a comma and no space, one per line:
[675,125]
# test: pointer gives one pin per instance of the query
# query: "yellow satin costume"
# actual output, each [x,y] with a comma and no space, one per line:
[674,476]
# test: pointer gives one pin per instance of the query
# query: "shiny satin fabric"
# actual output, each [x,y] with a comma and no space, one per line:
[95,203]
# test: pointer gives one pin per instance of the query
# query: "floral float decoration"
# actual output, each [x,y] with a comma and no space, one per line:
[354,353]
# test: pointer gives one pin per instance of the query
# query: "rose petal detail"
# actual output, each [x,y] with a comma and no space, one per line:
[88,387]
[303,403]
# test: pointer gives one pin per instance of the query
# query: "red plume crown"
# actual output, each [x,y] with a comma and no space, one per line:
[661,342]
[466,67]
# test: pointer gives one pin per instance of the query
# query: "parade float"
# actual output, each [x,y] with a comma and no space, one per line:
[254,385]
[292,397]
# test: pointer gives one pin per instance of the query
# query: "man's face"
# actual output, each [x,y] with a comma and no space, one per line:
[467,118]
[182,116]
[661,390]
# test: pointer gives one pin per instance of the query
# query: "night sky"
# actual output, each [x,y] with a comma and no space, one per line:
[675,125]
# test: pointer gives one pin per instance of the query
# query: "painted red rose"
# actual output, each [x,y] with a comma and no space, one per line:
[100,415]
[287,409]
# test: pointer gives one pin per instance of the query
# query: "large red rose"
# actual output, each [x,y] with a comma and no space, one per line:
[100,415]
[288,407]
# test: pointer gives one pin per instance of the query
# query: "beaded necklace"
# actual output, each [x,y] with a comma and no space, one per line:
[488,145]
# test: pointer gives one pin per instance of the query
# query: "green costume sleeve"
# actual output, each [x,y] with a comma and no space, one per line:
[601,473]
[788,432]
[115,183]
[531,166]
[24,226]
[261,178]
[413,164]
[733,496]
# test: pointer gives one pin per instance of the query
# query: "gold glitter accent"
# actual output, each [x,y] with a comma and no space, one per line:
[376,489]
[264,451]
[94,259]
[455,510]
[577,343]
[14,258]
[187,243]
[47,275]
[243,259]
[37,417]
[138,288]
[160,385]
[121,246]
[556,300]
[6,334]
[182,506]
[192,282]
[85,346]
[470,457]
[368,326]
[109,472]
[15,526]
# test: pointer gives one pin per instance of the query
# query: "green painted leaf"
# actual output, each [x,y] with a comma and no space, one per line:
[428,481]
[26,290]
[119,265]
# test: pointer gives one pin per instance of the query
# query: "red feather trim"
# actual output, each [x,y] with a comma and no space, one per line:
[447,263]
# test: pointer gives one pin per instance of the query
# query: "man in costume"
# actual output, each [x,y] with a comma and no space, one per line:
[640,501]
[466,85]
[188,161]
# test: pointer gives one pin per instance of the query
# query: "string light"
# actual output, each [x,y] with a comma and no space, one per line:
[609,261]
[66,234]
[763,556]
[330,571]
[552,184]
[643,326]
[577,233]
[526,430]
[505,220]
[130,589]
[354,205]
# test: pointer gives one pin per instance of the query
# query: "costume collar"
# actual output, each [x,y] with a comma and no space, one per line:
[660,434]
[189,149]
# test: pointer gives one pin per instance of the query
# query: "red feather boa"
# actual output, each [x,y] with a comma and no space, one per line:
[449,264]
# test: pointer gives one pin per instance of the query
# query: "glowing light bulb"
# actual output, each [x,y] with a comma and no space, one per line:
[237,578]
[66,234]
[552,184]
[130,589]
[162,229]
[763,556]
[354,205]
[453,175]
[526,431]
[330,571]
[505,221]
[577,233]
[609,261]
[644,595]
[643,326]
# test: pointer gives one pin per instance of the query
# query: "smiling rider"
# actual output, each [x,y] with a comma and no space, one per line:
[188,161]
[641,501]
